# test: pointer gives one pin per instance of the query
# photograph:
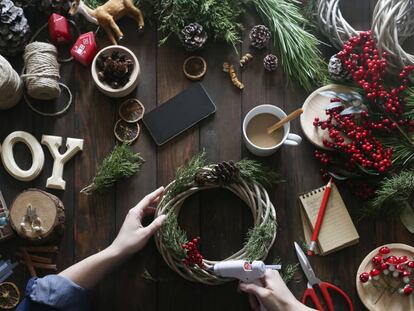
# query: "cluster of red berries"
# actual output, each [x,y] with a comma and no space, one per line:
[361,188]
[354,140]
[193,255]
[367,67]
[399,268]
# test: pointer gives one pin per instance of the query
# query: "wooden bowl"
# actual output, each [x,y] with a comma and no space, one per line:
[314,106]
[371,297]
[195,76]
[133,79]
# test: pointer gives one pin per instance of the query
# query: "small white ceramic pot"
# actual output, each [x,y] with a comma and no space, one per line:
[133,79]
[288,138]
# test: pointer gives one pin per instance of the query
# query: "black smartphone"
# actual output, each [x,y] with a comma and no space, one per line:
[179,114]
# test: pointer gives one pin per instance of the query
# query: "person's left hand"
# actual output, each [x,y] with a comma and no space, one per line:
[133,236]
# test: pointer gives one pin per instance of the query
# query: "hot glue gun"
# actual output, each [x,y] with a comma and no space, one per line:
[245,271]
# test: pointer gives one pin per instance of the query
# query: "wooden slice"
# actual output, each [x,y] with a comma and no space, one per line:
[314,107]
[376,300]
[9,295]
[37,216]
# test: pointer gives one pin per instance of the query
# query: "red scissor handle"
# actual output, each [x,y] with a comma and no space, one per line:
[325,287]
[311,295]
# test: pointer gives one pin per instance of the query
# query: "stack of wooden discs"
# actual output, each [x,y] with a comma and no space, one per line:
[37,216]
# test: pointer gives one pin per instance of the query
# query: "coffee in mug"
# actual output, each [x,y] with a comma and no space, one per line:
[257,131]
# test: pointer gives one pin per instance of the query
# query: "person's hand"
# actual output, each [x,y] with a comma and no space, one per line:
[133,236]
[274,294]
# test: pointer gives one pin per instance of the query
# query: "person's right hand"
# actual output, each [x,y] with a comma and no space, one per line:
[274,294]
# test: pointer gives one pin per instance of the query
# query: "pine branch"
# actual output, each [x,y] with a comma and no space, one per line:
[259,239]
[185,175]
[173,237]
[288,271]
[253,171]
[392,194]
[301,59]
[121,163]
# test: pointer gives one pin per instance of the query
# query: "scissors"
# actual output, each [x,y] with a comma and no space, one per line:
[323,286]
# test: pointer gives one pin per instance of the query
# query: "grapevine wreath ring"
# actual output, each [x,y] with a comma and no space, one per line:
[237,177]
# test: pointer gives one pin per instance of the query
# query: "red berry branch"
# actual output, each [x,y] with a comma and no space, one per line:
[193,255]
[354,134]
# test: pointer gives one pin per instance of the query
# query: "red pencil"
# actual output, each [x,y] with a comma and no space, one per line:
[319,220]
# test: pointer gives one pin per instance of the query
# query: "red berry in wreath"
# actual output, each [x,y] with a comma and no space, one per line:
[364,277]
[384,250]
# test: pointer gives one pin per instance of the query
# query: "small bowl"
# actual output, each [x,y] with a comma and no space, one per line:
[195,76]
[133,79]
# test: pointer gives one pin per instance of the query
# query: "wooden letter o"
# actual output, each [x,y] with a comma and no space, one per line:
[38,157]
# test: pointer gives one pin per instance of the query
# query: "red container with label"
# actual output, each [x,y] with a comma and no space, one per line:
[84,49]
[59,29]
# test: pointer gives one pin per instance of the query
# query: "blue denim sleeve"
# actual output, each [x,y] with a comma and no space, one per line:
[54,292]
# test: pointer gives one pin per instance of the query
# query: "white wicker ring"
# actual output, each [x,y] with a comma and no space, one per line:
[263,212]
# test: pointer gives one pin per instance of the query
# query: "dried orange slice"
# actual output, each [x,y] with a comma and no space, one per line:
[131,110]
[126,132]
[9,295]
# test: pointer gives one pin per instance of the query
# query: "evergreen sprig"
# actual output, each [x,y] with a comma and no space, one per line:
[218,17]
[253,171]
[258,240]
[392,195]
[122,162]
[301,59]
[288,271]
[185,175]
[173,237]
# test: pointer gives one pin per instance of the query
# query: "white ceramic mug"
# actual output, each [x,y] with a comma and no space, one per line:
[288,138]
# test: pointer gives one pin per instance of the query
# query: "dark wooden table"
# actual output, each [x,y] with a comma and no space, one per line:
[219,218]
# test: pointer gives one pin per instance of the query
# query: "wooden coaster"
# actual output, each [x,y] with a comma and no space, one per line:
[314,107]
[371,297]
[37,216]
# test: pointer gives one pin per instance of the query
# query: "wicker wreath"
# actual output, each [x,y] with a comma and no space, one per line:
[171,238]
[392,23]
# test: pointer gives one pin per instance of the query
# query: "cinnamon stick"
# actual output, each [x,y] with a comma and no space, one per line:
[42,249]
[28,262]
[35,258]
[44,266]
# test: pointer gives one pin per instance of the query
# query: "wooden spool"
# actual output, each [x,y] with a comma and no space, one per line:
[37,216]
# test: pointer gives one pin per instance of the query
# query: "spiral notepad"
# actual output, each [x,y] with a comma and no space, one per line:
[337,230]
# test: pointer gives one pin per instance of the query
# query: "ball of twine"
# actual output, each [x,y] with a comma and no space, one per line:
[11,86]
[392,23]
[42,71]
[253,195]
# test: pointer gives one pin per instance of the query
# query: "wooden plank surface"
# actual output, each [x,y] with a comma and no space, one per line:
[220,219]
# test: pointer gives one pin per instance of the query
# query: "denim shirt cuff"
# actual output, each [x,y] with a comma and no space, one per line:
[58,292]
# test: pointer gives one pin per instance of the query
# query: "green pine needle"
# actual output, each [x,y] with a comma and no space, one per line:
[259,239]
[301,59]
[253,171]
[220,18]
[185,175]
[121,163]
[288,271]
[173,237]
[392,195]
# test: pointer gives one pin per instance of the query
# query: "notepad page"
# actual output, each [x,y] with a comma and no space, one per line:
[337,228]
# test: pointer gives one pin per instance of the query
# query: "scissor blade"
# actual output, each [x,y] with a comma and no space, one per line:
[305,264]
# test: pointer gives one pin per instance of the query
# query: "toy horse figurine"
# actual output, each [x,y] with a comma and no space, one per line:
[106,15]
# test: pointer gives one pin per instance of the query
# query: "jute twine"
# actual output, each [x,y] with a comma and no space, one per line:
[263,211]
[42,71]
[11,86]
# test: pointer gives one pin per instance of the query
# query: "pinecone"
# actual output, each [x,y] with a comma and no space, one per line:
[193,37]
[14,29]
[336,70]
[270,62]
[54,6]
[225,172]
[259,36]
